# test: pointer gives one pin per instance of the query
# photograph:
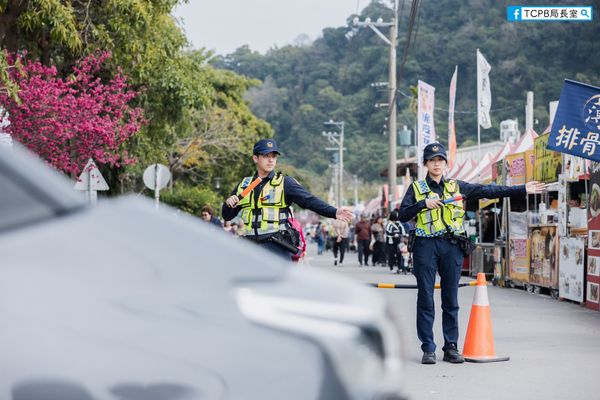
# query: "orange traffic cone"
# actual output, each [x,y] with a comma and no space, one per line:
[479,342]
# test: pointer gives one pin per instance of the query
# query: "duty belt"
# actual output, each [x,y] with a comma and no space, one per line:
[259,238]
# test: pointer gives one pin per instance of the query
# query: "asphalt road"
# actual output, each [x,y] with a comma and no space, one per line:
[554,346]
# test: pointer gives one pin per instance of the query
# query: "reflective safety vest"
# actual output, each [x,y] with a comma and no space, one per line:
[436,222]
[270,212]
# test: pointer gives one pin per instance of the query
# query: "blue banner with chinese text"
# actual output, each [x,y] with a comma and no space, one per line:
[576,126]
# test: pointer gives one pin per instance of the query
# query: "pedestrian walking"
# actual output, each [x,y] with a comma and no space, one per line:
[378,241]
[394,232]
[341,230]
[265,209]
[208,215]
[440,243]
[320,237]
[229,228]
[362,234]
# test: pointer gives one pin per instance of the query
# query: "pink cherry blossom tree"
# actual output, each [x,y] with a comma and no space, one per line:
[68,120]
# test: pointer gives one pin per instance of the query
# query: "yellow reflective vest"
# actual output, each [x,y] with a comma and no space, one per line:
[270,211]
[436,222]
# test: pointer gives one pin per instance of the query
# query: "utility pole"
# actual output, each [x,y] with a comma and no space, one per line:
[355,190]
[392,117]
[392,42]
[529,112]
[337,138]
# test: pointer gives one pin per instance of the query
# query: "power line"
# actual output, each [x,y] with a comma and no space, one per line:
[414,43]
[517,105]
[411,23]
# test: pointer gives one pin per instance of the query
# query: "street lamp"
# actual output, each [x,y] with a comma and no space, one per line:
[337,138]
[393,25]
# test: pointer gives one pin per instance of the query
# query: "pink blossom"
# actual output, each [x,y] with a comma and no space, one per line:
[68,120]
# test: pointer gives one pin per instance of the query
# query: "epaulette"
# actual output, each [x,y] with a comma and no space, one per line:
[277,179]
[247,180]
[451,186]
[423,187]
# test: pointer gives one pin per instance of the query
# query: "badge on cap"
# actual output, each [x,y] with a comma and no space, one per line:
[435,148]
[269,144]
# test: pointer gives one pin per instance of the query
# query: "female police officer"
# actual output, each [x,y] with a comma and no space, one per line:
[265,209]
[437,247]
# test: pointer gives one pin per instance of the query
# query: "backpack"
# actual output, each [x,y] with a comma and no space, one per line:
[302,245]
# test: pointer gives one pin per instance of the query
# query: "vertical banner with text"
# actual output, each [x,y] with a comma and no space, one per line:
[451,127]
[484,92]
[425,123]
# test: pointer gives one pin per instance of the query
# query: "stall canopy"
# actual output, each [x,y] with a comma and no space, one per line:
[471,176]
[372,206]
[456,168]
[525,142]
[478,172]
[486,171]
[398,195]
[468,166]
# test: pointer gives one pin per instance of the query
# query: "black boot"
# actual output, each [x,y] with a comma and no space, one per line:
[452,355]
[428,358]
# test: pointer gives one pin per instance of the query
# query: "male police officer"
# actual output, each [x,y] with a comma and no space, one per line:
[266,209]
[439,233]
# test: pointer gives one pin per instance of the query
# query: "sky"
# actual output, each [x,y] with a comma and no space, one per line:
[225,25]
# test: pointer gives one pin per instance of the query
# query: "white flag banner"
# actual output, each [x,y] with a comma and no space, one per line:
[451,127]
[425,123]
[484,92]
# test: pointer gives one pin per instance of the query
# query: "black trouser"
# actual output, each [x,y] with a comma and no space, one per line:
[394,257]
[431,255]
[342,248]
[379,252]
[363,251]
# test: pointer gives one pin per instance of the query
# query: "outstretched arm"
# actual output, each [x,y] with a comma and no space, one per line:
[295,193]
[476,191]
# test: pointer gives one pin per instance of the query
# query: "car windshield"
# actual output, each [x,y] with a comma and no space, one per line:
[19,206]
[29,194]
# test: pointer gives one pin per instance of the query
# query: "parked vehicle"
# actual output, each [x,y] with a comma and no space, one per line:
[121,301]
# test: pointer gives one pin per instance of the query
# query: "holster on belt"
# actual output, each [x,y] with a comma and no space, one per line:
[288,238]
[411,240]
[466,245]
[285,240]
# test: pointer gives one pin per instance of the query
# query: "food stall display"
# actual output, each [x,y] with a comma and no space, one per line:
[547,163]
[516,169]
[593,264]
[543,227]
[571,268]
[544,247]
[518,249]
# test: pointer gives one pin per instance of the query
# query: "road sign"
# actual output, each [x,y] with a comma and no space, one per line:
[156,176]
[90,181]
[90,178]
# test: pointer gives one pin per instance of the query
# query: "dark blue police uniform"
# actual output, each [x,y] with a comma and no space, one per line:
[292,191]
[442,255]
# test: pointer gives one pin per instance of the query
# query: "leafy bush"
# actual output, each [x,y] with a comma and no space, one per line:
[191,199]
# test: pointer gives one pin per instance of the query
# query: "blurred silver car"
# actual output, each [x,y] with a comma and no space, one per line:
[121,301]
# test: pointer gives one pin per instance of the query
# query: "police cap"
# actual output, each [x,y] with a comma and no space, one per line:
[433,150]
[265,146]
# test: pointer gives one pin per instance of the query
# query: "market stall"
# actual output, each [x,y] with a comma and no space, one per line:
[543,220]
[593,259]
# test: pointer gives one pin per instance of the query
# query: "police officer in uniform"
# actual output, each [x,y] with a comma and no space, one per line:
[439,234]
[265,210]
